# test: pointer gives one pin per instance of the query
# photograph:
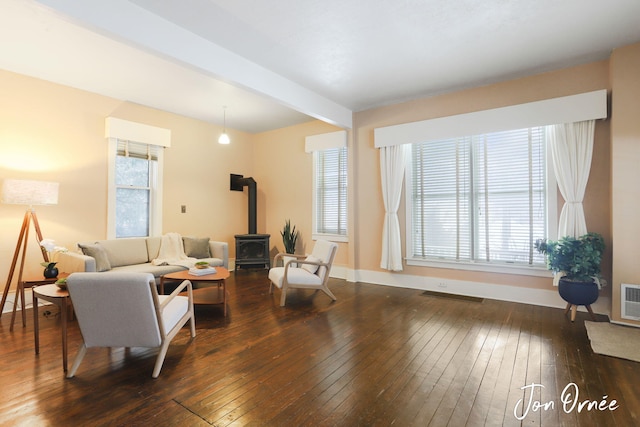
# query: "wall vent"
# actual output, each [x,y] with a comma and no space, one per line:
[630,301]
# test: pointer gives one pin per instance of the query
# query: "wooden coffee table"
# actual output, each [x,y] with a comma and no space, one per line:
[210,295]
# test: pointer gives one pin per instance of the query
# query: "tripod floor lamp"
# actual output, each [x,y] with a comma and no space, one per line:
[29,193]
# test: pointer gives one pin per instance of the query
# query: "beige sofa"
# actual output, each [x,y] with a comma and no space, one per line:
[136,254]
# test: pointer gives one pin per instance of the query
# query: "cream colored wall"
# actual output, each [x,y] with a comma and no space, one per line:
[549,85]
[283,171]
[196,174]
[625,169]
[56,133]
[52,132]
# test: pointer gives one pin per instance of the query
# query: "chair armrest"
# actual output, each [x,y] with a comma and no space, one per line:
[220,250]
[284,254]
[176,291]
[72,262]
[318,263]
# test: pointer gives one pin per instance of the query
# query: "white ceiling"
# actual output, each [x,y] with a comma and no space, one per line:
[281,62]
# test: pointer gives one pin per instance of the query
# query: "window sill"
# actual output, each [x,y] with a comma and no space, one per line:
[522,270]
[330,237]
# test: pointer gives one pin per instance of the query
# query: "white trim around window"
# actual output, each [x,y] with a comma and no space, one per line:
[155,211]
[476,262]
[566,109]
[329,152]
[117,129]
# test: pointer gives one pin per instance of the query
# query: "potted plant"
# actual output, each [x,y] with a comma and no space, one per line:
[289,238]
[576,264]
[49,247]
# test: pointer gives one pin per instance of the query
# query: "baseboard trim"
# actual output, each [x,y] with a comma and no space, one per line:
[541,297]
[11,298]
[623,323]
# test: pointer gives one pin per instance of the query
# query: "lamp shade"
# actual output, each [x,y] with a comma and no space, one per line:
[25,192]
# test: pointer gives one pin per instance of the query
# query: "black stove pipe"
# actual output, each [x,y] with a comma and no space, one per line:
[238,182]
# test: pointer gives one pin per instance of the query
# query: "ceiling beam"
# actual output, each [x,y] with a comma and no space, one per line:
[129,23]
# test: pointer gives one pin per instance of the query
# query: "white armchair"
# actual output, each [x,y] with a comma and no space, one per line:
[310,272]
[125,310]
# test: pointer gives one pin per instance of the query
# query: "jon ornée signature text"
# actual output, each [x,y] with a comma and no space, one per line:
[569,399]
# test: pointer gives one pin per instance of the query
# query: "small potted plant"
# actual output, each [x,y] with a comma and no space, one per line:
[49,247]
[576,264]
[289,238]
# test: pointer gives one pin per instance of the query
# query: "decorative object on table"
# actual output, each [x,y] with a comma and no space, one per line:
[575,263]
[62,283]
[50,269]
[29,193]
[199,271]
[202,264]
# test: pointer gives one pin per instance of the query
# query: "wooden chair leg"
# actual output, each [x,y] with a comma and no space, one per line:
[328,292]
[574,309]
[81,352]
[566,310]
[160,359]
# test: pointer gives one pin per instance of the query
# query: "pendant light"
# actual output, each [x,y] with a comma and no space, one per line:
[224,138]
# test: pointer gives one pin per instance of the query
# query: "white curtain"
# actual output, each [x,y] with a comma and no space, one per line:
[392,165]
[571,150]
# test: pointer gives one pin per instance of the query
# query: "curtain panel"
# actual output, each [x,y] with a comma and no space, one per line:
[571,150]
[392,165]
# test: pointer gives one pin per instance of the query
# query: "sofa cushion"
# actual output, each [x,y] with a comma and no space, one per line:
[311,268]
[196,247]
[97,252]
[156,270]
[153,247]
[126,251]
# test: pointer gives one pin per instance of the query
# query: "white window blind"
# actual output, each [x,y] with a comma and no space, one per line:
[136,166]
[480,198]
[330,191]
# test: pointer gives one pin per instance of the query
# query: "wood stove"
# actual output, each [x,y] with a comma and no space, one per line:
[252,249]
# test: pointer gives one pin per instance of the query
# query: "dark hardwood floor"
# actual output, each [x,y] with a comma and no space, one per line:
[379,356]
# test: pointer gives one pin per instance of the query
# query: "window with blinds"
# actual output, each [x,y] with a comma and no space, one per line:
[135,176]
[479,199]
[330,191]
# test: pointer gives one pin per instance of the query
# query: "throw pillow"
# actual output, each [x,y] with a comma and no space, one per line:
[98,253]
[311,268]
[196,247]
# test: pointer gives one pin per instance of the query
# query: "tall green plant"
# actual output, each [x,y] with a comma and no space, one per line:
[578,258]
[289,237]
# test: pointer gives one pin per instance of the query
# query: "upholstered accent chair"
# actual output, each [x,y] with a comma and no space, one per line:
[125,310]
[306,272]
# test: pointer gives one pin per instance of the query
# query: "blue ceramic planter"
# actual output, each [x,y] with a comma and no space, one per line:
[578,293]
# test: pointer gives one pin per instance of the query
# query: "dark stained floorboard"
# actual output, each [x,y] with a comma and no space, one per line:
[378,356]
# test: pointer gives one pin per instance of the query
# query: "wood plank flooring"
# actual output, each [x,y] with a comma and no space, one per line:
[379,356]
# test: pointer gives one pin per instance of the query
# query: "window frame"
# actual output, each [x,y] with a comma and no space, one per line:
[316,235]
[155,195]
[520,269]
